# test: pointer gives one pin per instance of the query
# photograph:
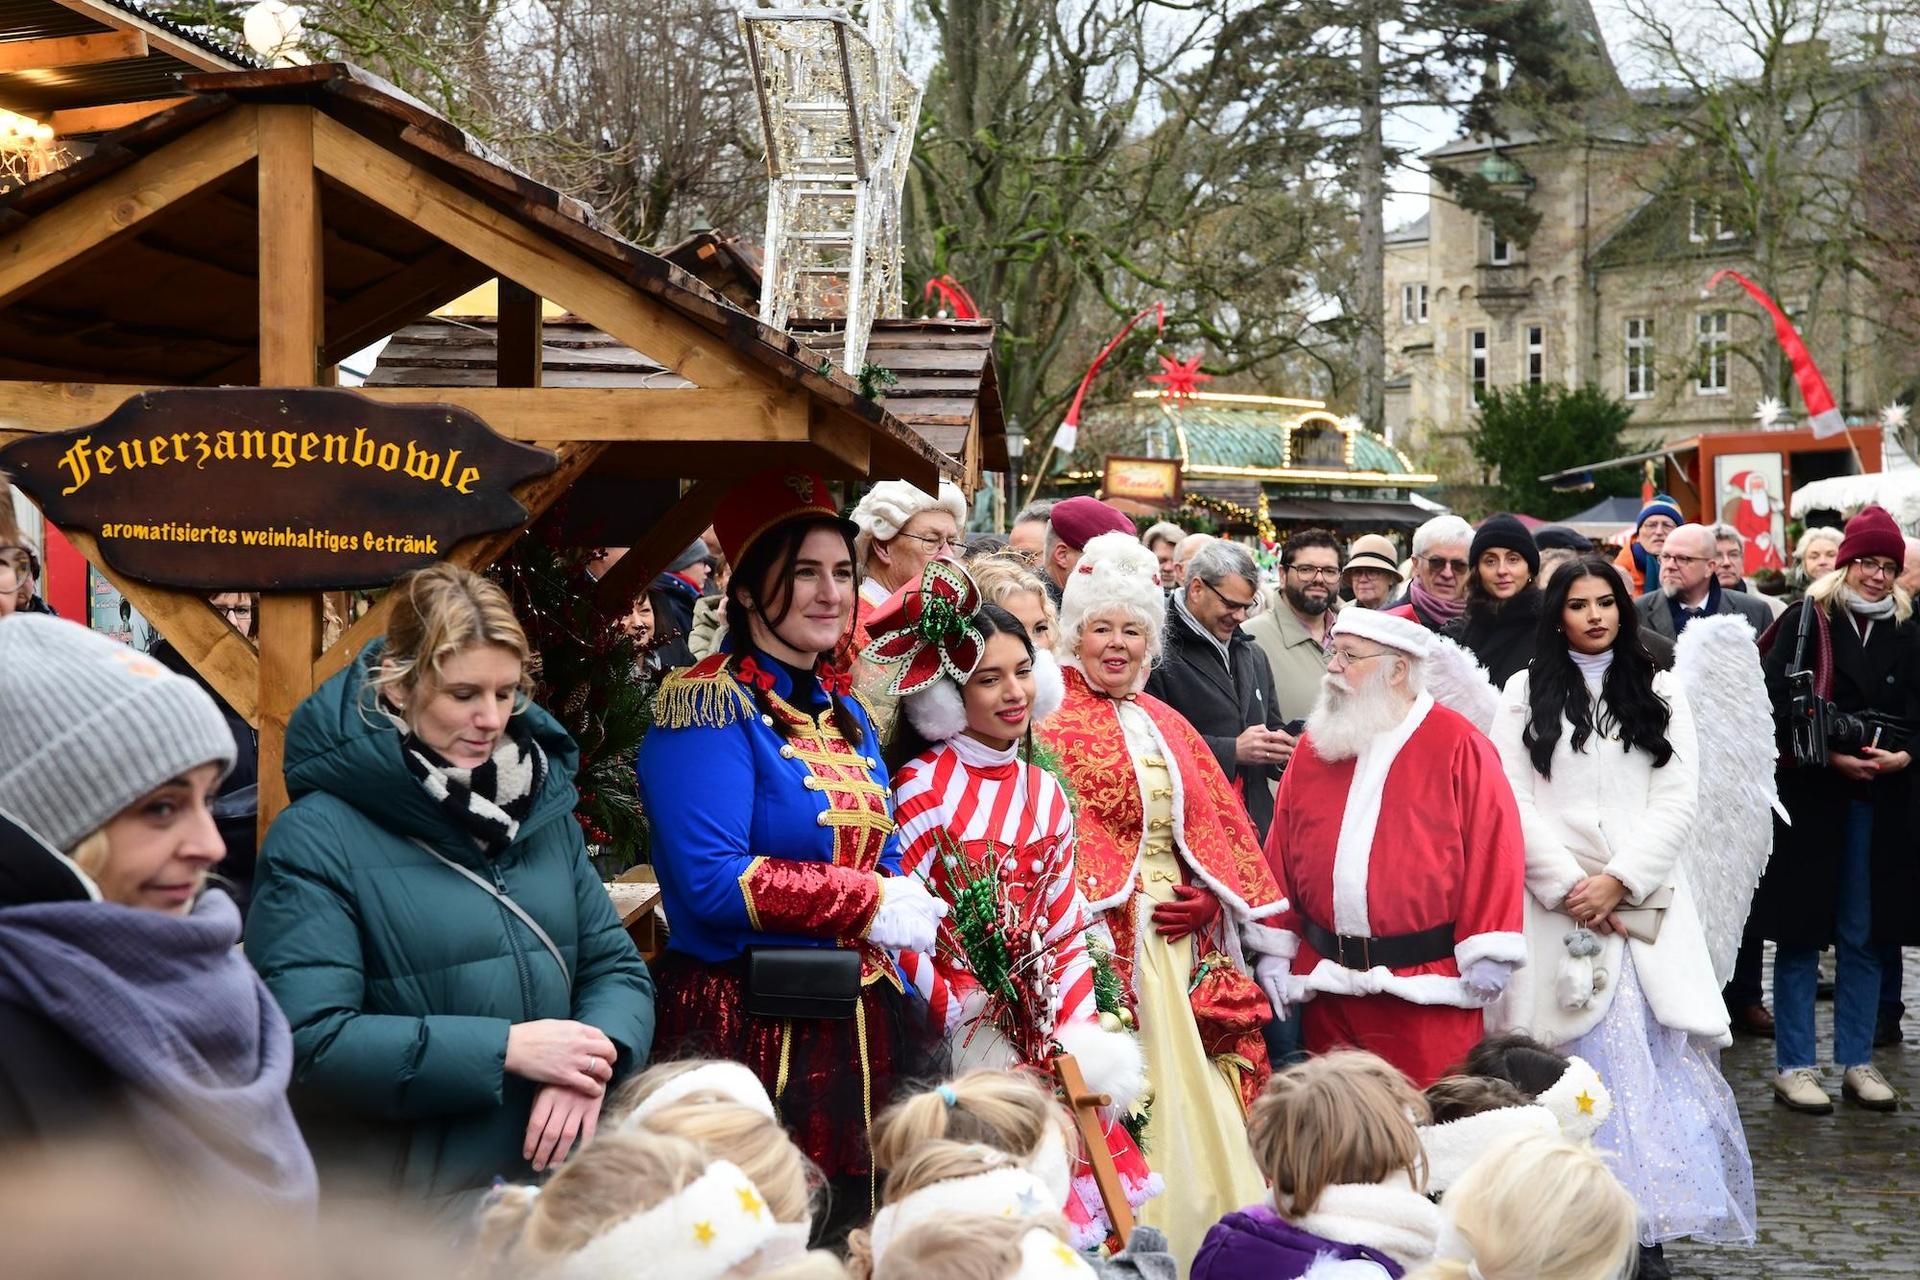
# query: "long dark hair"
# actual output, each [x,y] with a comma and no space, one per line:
[1555,687]
[773,559]
[990,621]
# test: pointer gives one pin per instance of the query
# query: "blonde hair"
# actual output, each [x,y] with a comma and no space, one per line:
[93,853]
[1009,1111]
[638,1088]
[1818,533]
[1002,576]
[615,1177]
[1538,1207]
[1344,1117]
[1825,592]
[816,1264]
[438,612]
[918,1168]
[742,1136]
[965,1246]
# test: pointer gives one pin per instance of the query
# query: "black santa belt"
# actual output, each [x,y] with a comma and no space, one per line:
[1394,951]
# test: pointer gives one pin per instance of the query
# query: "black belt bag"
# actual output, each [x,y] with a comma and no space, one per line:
[1395,951]
[801,982]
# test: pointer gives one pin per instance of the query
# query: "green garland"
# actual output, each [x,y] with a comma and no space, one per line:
[1109,998]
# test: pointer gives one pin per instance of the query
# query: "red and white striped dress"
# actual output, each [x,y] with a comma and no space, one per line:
[966,793]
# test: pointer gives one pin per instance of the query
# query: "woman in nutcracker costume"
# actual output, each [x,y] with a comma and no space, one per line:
[1010,980]
[1170,865]
[773,838]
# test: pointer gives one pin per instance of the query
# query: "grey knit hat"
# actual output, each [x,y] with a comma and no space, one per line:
[88,726]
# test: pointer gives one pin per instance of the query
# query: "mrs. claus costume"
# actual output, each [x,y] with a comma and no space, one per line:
[966,808]
[1159,825]
[1406,868]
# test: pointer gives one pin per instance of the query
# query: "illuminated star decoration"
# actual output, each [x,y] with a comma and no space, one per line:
[703,1232]
[1180,379]
[1894,416]
[1584,1101]
[1768,412]
[749,1202]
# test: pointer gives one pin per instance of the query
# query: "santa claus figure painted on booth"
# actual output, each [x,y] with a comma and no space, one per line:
[1012,979]
[1172,868]
[1752,510]
[1396,839]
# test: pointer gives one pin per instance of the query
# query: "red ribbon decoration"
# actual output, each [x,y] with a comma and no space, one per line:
[835,680]
[751,672]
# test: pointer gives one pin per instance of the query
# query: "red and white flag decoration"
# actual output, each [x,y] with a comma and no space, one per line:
[1824,418]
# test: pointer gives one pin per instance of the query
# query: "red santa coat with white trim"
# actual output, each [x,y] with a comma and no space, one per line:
[1418,831]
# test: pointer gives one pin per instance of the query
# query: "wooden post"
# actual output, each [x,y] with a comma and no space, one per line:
[517,359]
[292,310]
[1086,1106]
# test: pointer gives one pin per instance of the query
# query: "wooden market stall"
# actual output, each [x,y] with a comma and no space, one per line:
[275,222]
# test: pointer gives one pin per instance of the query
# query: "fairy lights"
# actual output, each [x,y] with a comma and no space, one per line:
[28,149]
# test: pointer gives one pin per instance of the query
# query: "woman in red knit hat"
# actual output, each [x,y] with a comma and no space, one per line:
[1843,874]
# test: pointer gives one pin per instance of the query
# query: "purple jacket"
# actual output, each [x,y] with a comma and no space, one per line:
[1258,1244]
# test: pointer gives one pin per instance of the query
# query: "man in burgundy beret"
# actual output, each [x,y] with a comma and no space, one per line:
[1069,526]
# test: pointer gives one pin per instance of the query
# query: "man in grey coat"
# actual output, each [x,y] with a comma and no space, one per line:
[1690,589]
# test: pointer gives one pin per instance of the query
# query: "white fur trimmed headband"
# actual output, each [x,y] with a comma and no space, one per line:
[731,1080]
[709,1227]
[1006,1192]
[939,711]
[1578,1100]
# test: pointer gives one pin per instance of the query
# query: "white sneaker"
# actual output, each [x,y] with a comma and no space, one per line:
[1800,1089]
[1866,1087]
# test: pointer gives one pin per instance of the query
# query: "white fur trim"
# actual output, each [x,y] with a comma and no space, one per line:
[938,712]
[1111,1061]
[1327,1267]
[1403,634]
[708,1228]
[1265,940]
[732,1080]
[1577,1122]
[887,507]
[1415,988]
[1453,1147]
[1044,1257]
[1389,1216]
[1049,690]
[1508,948]
[1007,1192]
[1353,853]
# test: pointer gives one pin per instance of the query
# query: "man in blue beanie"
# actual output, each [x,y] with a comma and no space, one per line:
[1640,559]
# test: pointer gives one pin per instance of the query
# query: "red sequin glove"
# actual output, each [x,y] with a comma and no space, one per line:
[1192,910]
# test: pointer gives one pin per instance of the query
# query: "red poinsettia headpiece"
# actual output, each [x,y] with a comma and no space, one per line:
[929,631]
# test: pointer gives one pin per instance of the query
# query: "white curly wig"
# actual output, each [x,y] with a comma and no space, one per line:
[1114,573]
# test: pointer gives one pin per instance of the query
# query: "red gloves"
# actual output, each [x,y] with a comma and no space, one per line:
[1192,910]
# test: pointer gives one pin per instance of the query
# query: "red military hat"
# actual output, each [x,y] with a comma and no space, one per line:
[1077,521]
[768,500]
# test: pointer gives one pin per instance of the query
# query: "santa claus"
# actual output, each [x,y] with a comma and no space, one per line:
[1396,840]
[1750,508]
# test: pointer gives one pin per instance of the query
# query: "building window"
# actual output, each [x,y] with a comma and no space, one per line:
[1413,304]
[1536,355]
[1423,304]
[1639,357]
[1500,249]
[1707,220]
[1711,338]
[1477,363]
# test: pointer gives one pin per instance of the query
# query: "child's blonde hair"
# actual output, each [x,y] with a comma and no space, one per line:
[1008,1110]
[615,1177]
[1344,1117]
[965,1246]
[1538,1207]
[918,1168]
[1001,577]
[742,1136]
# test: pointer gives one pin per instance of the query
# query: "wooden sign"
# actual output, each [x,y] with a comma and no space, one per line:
[275,489]
[1154,481]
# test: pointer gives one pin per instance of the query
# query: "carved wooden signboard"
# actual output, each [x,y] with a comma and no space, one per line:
[273,488]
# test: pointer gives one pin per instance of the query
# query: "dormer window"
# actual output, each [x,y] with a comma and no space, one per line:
[1707,222]
[1499,249]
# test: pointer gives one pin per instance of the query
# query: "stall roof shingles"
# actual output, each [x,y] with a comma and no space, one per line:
[97,84]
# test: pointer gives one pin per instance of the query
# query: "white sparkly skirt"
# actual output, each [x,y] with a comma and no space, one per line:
[1674,1137]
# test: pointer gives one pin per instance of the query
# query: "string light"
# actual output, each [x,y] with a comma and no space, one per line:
[28,150]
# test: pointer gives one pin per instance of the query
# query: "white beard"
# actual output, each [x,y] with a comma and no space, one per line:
[1343,721]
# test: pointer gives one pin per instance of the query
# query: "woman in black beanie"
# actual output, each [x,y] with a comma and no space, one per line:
[1503,600]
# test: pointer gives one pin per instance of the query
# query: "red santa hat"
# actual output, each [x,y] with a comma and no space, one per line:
[1402,634]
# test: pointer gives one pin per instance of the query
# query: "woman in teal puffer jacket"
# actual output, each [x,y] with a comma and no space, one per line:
[439,1041]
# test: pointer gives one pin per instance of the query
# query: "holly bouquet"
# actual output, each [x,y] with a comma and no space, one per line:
[995,930]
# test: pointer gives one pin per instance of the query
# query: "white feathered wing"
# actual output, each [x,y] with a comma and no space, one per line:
[1719,669]
[1458,682]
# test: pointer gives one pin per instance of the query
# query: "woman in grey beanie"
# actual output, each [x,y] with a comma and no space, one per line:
[125,1006]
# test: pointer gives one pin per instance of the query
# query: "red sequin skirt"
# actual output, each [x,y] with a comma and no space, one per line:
[825,1082]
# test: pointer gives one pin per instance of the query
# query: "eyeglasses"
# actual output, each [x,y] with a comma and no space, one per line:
[1437,565]
[1246,608]
[945,542]
[1667,557]
[1883,568]
[1346,658]
[1311,571]
[237,612]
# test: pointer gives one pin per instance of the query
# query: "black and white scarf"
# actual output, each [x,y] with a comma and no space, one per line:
[489,801]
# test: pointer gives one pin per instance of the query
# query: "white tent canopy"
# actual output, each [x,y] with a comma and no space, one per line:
[1897,491]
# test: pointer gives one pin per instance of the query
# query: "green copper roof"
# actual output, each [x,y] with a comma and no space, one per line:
[1210,433]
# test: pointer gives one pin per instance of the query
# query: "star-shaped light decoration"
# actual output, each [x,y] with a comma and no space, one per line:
[1768,412]
[1584,1101]
[749,1202]
[703,1232]
[1180,379]
[1894,416]
[1351,423]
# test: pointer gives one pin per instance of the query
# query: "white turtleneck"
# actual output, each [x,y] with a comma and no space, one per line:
[974,752]
[1593,666]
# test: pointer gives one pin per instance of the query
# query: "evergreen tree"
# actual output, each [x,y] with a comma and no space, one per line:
[1526,432]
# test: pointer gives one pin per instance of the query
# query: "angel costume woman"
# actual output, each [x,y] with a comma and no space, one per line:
[1605,765]
[1170,864]
[1011,981]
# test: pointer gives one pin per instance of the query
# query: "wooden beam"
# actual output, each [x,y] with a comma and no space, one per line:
[60,239]
[117,115]
[529,256]
[670,535]
[159,39]
[71,51]
[845,441]
[517,355]
[292,304]
[220,654]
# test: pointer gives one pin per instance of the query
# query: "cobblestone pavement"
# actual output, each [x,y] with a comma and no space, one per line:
[1838,1195]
